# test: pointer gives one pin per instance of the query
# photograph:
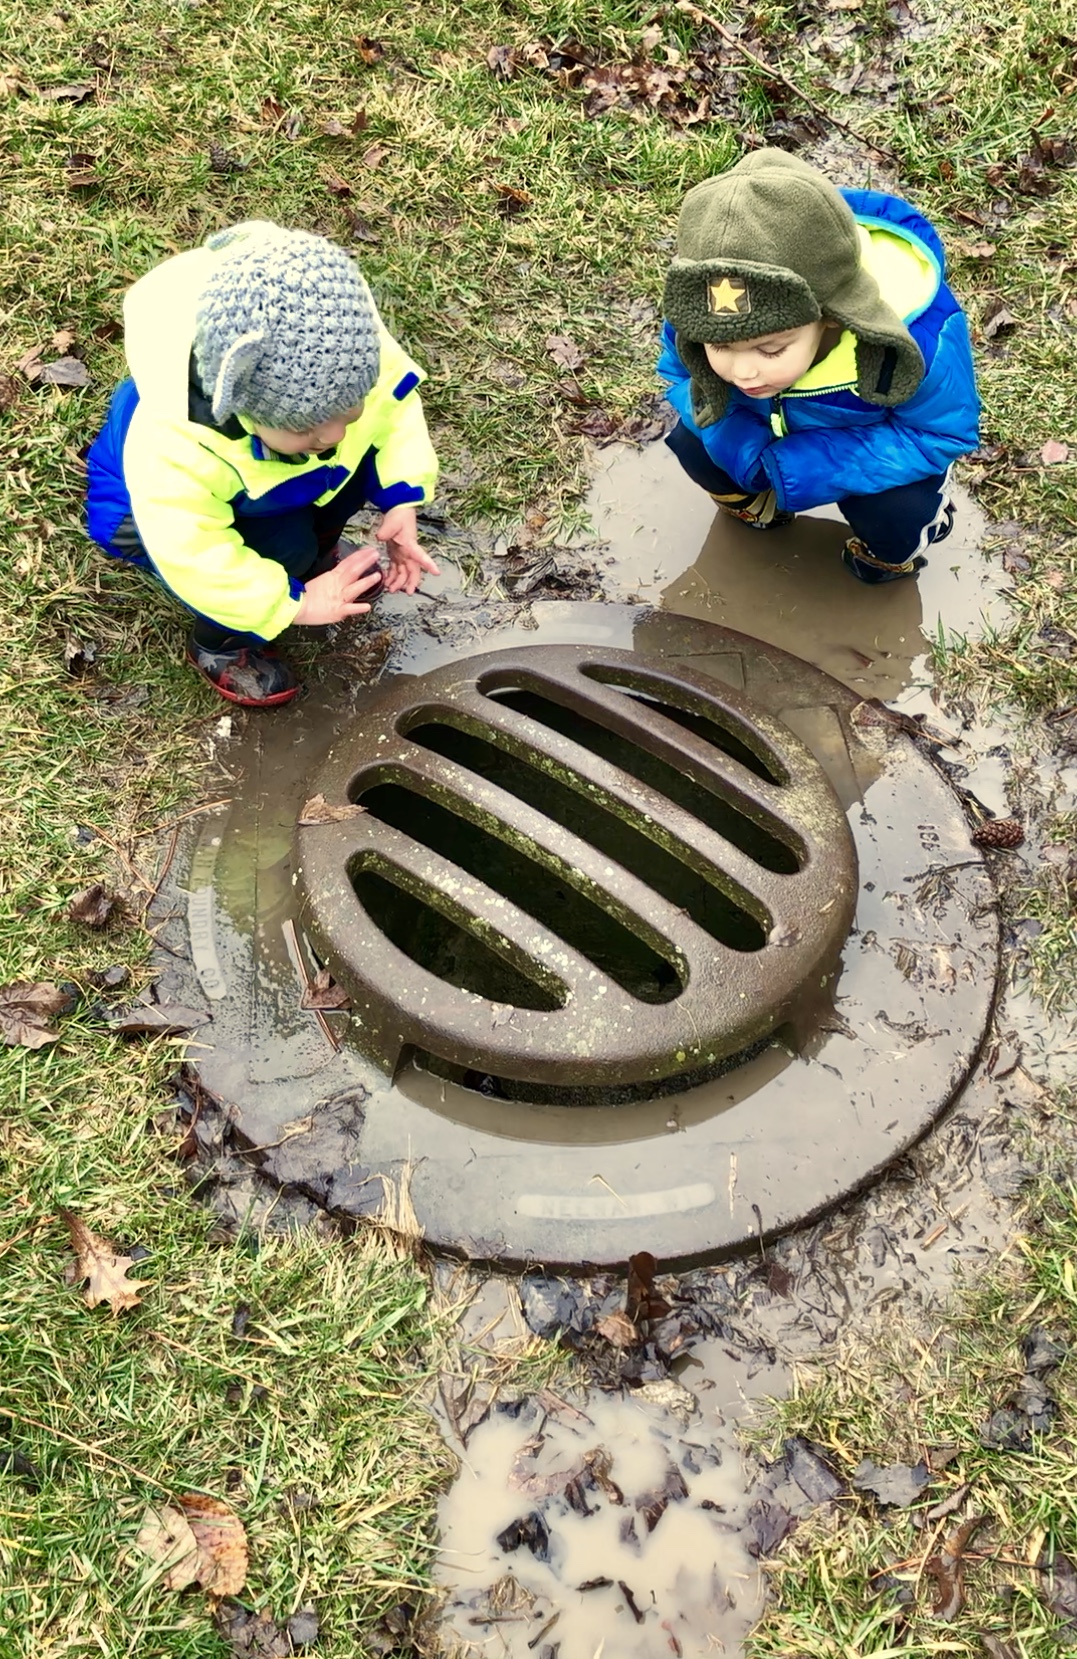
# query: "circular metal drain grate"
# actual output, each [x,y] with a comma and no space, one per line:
[574,869]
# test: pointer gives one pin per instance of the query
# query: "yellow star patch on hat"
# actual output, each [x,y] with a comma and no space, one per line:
[728,294]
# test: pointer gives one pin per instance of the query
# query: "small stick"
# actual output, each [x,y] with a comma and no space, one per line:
[85,1446]
[156,829]
[698,15]
[291,939]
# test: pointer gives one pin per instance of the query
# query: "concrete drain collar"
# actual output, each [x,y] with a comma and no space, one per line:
[531,1138]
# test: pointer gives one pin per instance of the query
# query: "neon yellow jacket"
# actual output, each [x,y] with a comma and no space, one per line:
[161,463]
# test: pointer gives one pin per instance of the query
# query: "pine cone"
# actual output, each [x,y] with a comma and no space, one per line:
[999,832]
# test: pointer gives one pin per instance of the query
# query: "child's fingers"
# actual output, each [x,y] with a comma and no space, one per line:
[353,610]
[354,564]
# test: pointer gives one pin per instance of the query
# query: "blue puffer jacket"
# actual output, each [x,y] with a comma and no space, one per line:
[819,441]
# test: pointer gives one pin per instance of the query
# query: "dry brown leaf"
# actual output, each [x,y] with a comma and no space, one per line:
[375,154]
[24,1010]
[1053,452]
[167,1539]
[324,992]
[565,352]
[222,1544]
[93,906]
[97,1261]
[618,1329]
[319,811]
[947,1568]
[63,339]
[335,184]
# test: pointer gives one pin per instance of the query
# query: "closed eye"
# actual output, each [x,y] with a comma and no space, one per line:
[775,351]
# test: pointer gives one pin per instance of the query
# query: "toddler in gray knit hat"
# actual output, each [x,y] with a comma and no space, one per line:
[267,403]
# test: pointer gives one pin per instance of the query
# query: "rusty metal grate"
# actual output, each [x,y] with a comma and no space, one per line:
[574,868]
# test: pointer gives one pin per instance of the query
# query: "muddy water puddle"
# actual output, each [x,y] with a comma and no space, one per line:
[947,1207]
[608,1527]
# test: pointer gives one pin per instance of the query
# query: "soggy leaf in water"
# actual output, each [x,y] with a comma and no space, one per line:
[465,1407]
[630,1599]
[319,811]
[97,1262]
[897,1485]
[947,1568]
[643,1301]
[24,1010]
[93,906]
[147,1019]
[324,992]
[652,1505]
[564,351]
[529,1532]
[768,1524]
[618,1329]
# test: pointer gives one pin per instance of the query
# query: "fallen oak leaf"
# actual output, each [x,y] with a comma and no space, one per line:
[92,906]
[97,1262]
[24,1009]
[320,811]
[222,1543]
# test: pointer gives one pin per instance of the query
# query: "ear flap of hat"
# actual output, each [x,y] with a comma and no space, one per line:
[236,364]
[710,393]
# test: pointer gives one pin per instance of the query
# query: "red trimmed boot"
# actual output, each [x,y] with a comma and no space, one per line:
[253,676]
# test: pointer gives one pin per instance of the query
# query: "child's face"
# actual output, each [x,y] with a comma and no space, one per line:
[326,435]
[770,364]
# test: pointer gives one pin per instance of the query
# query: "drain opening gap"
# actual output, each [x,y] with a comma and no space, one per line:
[717,812]
[712,908]
[594,1095]
[733,739]
[532,887]
[438,945]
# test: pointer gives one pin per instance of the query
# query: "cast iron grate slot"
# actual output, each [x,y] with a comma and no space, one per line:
[530,886]
[595,1095]
[583,815]
[723,738]
[434,942]
[716,811]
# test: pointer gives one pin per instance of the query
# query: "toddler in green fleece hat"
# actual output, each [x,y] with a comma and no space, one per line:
[814,354]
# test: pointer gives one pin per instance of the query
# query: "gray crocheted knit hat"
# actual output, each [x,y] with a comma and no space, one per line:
[286,331]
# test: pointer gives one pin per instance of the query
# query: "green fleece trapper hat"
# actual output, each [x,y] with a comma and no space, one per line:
[771,245]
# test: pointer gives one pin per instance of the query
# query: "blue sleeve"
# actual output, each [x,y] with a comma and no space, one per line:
[737,441]
[915,440]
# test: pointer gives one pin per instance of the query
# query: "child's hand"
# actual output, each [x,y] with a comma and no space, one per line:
[338,593]
[399,531]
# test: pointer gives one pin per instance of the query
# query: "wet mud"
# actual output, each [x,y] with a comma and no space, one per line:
[521,1532]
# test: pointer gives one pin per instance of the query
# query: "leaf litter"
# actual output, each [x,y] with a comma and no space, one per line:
[203,1541]
[25,1010]
[101,1268]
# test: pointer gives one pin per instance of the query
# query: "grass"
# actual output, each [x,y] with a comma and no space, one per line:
[199,114]
[853,1582]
